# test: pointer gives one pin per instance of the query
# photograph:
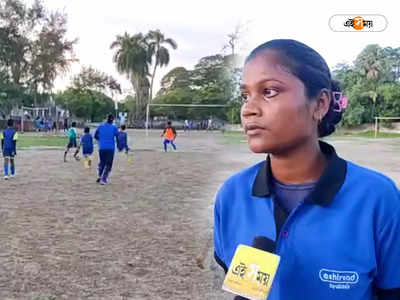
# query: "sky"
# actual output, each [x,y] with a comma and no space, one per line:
[200,28]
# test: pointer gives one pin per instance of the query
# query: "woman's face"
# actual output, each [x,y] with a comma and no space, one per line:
[276,113]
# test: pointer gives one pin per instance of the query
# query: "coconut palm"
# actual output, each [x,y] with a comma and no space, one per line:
[156,41]
[370,62]
[132,59]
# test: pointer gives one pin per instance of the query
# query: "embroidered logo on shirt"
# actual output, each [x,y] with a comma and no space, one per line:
[339,279]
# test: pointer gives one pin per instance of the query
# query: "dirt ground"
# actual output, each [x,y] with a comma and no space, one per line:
[146,235]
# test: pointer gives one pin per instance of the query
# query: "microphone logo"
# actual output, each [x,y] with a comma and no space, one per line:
[254,273]
[251,273]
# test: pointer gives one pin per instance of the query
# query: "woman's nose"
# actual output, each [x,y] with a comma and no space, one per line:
[251,108]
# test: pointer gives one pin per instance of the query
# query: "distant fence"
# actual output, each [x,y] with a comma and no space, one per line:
[29,125]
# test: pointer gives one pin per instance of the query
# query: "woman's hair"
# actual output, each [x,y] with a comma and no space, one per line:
[110,118]
[86,130]
[309,66]
[73,124]
[123,127]
[10,122]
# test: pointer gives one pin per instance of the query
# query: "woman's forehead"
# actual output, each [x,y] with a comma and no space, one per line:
[266,66]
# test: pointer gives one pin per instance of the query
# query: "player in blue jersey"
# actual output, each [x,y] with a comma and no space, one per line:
[334,224]
[87,146]
[9,137]
[122,140]
[106,135]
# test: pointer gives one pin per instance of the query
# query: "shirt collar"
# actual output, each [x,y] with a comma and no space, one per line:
[327,186]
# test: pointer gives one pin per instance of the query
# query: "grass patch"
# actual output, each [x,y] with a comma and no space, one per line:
[35,140]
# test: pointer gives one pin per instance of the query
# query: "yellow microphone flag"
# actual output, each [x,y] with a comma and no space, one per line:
[251,273]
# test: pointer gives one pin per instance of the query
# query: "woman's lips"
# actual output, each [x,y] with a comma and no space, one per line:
[253,129]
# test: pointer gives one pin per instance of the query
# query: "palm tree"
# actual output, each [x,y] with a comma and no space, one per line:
[156,41]
[131,56]
[132,59]
[370,62]
[392,60]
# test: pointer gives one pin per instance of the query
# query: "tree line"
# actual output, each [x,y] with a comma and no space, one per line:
[372,84]
[35,50]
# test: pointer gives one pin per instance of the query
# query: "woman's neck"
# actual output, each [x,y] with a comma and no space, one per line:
[303,164]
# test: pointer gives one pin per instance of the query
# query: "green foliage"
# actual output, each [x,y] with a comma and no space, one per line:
[178,77]
[371,85]
[90,78]
[86,98]
[214,80]
[390,99]
[233,114]
[86,104]
[156,42]
[134,56]
[127,105]
[34,50]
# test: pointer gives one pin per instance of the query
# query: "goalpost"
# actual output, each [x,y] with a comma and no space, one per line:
[175,105]
[382,118]
[35,112]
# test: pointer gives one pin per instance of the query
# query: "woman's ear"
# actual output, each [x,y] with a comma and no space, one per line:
[323,102]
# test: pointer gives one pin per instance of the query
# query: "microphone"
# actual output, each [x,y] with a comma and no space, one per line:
[262,243]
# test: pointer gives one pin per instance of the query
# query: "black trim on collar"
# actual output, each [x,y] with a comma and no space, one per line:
[262,183]
[220,262]
[327,186]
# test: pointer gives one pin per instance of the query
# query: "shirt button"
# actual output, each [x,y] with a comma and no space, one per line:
[285,233]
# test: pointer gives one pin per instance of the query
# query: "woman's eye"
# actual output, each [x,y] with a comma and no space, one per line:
[269,93]
[244,97]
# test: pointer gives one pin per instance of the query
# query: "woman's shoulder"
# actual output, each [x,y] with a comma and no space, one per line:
[377,184]
[369,175]
[243,179]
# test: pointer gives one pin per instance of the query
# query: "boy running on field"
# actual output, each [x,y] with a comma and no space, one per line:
[87,146]
[169,136]
[72,135]
[122,140]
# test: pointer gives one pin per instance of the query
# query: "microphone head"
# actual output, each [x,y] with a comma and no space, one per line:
[264,243]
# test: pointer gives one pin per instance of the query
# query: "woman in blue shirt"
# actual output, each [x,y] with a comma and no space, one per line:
[335,224]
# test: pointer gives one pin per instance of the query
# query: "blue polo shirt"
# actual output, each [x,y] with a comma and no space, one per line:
[341,242]
[87,143]
[106,135]
[122,140]
[9,137]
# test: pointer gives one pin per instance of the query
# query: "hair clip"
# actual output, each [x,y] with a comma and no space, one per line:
[339,102]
